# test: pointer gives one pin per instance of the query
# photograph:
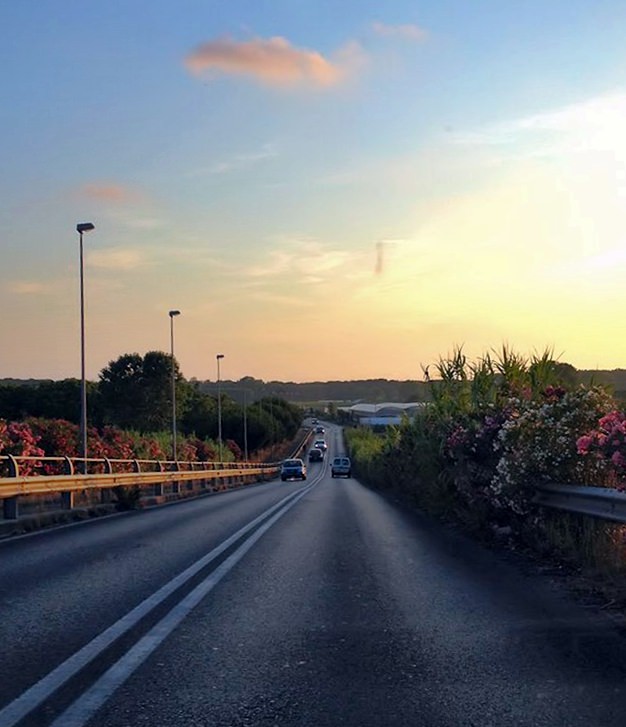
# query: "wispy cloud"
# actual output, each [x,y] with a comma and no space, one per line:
[608,262]
[111,193]
[144,223]
[240,161]
[126,206]
[406,31]
[28,287]
[306,259]
[594,124]
[117,258]
[288,300]
[274,61]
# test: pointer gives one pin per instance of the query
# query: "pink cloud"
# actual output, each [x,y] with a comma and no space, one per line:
[273,61]
[112,193]
[408,31]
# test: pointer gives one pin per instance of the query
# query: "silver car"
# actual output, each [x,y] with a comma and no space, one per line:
[341,467]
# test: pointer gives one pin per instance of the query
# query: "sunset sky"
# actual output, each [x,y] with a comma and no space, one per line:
[326,190]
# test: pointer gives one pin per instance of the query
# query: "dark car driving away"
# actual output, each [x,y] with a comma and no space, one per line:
[316,455]
[293,469]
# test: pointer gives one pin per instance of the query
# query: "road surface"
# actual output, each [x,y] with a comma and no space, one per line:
[315,603]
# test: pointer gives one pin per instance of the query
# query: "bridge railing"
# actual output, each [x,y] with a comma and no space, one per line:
[62,479]
[600,502]
[35,485]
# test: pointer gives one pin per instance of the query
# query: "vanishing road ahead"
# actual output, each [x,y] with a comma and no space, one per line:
[312,604]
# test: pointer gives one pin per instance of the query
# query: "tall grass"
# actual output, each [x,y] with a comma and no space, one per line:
[415,458]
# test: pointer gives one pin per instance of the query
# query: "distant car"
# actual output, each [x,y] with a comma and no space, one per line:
[315,421]
[320,444]
[319,430]
[341,467]
[316,455]
[293,469]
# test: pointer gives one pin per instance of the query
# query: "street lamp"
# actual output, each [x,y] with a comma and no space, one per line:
[245,426]
[245,392]
[172,314]
[219,407]
[80,228]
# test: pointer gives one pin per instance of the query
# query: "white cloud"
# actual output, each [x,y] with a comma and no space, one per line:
[301,258]
[144,223]
[116,258]
[289,300]
[28,287]
[606,264]
[596,124]
[407,31]
[241,161]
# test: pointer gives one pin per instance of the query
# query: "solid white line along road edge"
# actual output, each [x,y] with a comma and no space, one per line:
[80,711]
[34,696]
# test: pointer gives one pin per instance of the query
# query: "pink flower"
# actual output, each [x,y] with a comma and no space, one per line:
[618,459]
[583,443]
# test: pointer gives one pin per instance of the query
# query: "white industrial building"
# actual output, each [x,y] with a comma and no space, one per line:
[382,414]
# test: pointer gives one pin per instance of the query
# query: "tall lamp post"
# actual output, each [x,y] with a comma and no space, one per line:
[245,425]
[218,358]
[172,314]
[82,227]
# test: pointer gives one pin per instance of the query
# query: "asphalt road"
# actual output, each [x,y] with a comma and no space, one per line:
[337,607]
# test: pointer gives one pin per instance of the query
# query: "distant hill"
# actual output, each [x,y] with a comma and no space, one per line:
[368,390]
[371,390]
[23,382]
[615,378]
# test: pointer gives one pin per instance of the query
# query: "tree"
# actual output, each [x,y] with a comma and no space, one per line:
[567,374]
[200,415]
[135,391]
[48,399]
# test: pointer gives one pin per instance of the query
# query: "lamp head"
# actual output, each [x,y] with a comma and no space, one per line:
[173,313]
[219,356]
[84,227]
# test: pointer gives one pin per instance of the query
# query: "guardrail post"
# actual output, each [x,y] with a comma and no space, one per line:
[10,508]
[158,487]
[14,468]
[67,500]
[105,492]
[68,466]
[176,483]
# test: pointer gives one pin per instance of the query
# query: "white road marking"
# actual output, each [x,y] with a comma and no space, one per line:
[34,696]
[80,711]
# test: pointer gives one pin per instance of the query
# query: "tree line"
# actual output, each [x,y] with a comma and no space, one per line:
[134,393]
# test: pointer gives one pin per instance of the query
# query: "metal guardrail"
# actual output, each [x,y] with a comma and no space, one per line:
[600,502]
[65,476]
[16,486]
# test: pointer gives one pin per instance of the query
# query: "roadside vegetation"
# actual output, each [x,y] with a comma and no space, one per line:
[495,429]
[129,412]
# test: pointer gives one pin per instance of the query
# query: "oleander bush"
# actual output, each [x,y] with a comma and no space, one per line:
[38,437]
[495,429]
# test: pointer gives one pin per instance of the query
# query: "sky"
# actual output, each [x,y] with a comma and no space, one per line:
[324,190]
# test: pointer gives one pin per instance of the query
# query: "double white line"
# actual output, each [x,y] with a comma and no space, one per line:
[80,711]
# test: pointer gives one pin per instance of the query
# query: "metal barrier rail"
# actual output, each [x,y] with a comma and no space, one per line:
[71,465]
[15,485]
[600,502]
